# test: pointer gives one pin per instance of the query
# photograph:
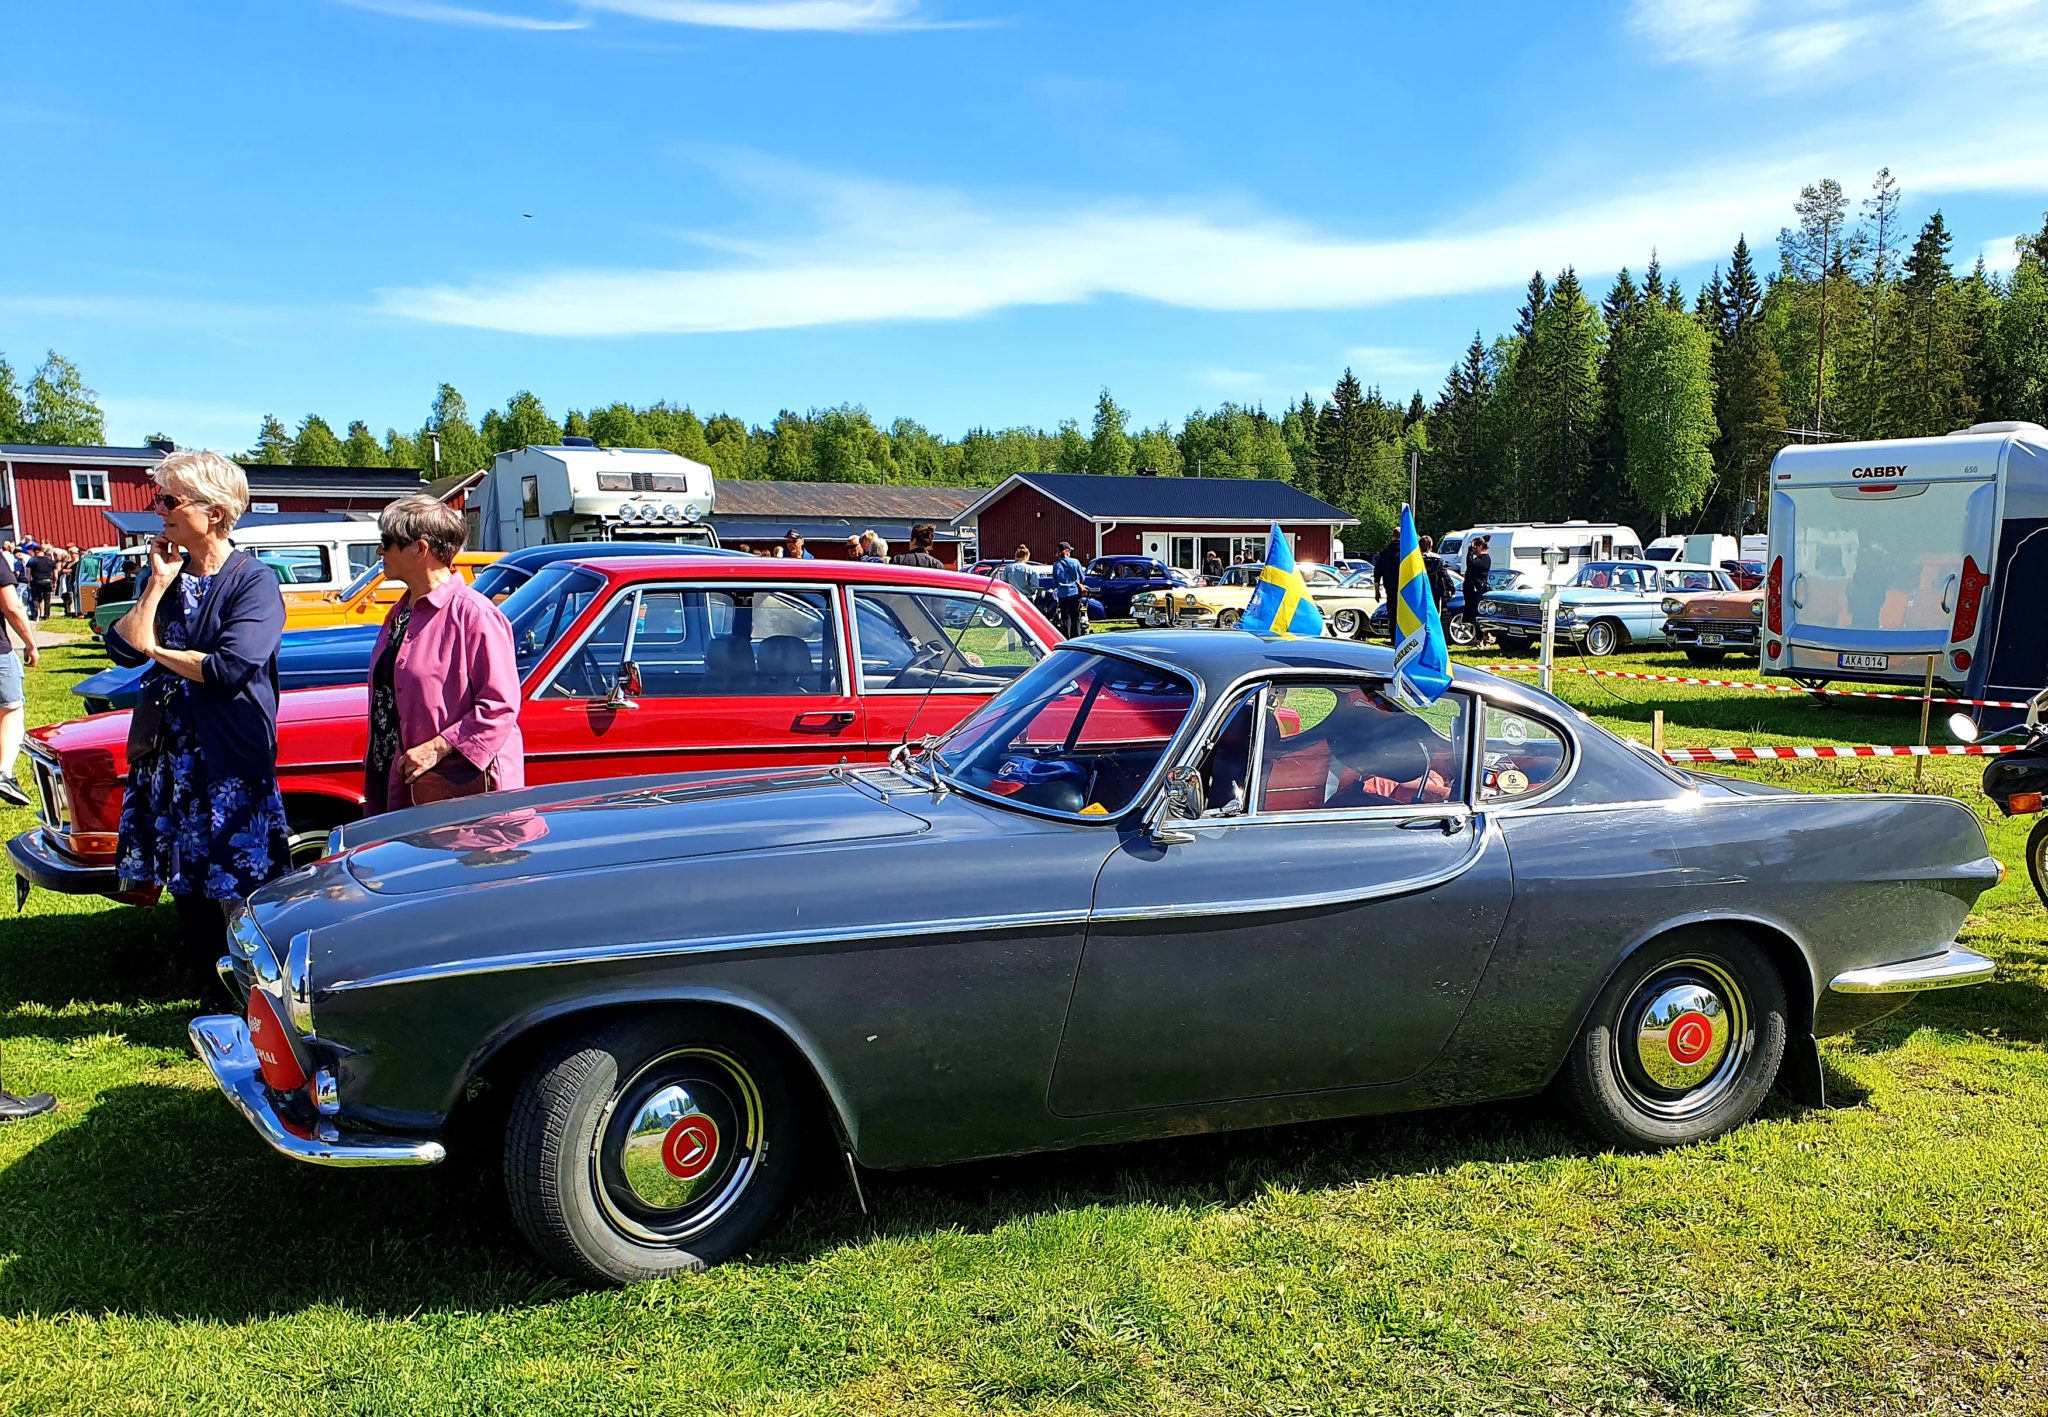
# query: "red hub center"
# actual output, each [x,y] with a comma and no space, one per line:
[1689,1037]
[690,1147]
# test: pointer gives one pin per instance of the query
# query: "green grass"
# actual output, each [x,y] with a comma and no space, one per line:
[1887,1255]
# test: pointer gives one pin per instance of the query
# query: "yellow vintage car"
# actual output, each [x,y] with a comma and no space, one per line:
[366,599]
[1346,607]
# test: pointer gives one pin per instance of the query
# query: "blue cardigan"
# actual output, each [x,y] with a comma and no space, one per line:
[237,629]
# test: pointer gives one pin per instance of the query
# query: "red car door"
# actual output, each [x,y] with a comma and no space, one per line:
[927,657]
[680,677]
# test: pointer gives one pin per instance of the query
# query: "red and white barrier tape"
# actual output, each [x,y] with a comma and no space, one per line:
[1744,684]
[1753,755]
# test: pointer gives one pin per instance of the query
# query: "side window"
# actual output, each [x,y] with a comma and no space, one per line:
[1523,755]
[914,641]
[1226,767]
[361,556]
[1102,568]
[1345,744]
[295,565]
[591,670]
[701,643]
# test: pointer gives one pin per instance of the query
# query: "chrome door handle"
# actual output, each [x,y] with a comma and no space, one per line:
[1798,599]
[1447,824]
[824,718]
[1948,586]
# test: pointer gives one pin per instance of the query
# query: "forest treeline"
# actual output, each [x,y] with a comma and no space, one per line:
[1647,405]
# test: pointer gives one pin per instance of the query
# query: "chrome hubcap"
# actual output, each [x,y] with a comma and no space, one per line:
[1599,639]
[678,1146]
[1683,1038]
[1347,622]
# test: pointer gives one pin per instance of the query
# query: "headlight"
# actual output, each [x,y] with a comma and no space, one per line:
[1673,605]
[1756,608]
[1489,607]
[1565,616]
[1145,599]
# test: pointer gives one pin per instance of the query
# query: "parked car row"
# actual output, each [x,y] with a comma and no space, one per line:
[1607,607]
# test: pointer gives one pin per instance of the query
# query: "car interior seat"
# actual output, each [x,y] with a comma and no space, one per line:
[729,666]
[784,665]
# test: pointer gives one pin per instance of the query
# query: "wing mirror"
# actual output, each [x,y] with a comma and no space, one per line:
[1962,728]
[1182,802]
[625,689]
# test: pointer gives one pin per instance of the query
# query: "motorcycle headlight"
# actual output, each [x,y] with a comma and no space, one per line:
[1673,605]
[1756,608]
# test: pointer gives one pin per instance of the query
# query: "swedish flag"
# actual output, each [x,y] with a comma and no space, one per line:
[1422,665]
[1280,603]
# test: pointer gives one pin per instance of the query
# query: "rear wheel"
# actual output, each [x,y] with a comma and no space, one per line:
[1604,637]
[654,1146]
[1347,623]
[2037,858]
[1682,1044]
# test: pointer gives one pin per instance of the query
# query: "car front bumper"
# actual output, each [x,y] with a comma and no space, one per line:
[222,1042]
[1679,632]
[38,861]
[1497,626]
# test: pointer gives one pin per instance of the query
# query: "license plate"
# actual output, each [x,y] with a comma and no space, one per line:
[1863,661]
[1709,639]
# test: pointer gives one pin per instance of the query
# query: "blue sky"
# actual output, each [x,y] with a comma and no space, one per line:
[967,211]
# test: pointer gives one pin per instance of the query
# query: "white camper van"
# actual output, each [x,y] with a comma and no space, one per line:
[1519,546]
[1884,555]
[1701,548]
[578,491]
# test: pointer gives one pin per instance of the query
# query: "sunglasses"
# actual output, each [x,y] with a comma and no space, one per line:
[165,502]
[395,543]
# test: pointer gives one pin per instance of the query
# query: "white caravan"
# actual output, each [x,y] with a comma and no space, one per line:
[1704,548]
[1886,555]
[578,491]
[1519,546]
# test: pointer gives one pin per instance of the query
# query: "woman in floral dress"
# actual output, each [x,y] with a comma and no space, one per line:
[202,816]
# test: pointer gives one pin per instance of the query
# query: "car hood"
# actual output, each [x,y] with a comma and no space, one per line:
[521,835]
[1719,604]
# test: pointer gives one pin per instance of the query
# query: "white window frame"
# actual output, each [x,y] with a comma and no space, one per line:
[105,499]
[853,594]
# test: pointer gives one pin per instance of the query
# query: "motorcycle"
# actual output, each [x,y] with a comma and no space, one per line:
[2018,781]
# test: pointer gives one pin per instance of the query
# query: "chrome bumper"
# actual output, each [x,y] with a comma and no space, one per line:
[1951,969]
[222,1042]
[38,860]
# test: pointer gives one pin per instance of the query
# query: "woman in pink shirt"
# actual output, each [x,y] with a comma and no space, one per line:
[444,686]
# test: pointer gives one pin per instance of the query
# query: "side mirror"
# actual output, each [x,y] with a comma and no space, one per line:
[1962,727]
[1182,802]
[624,689]
[629,675]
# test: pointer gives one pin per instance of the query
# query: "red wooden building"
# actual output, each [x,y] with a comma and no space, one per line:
[1179,520]
[61,495]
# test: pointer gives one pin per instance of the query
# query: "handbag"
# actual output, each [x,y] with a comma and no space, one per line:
[454,776]
[145,726]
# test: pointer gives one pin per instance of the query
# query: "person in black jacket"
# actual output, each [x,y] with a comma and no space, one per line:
[202,816]
[1478,570]
[920,553]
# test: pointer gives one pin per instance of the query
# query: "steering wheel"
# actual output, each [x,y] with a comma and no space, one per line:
[926,658]
[593,671]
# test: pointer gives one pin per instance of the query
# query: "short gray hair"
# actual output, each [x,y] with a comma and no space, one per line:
[881,547]
[424,518]
[208,479]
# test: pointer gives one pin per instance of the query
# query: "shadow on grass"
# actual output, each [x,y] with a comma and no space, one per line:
[111,957]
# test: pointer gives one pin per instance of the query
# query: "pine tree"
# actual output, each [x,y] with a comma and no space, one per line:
[1749,385]
[1668,411]
[1341,446]
[1563,400]
[1298,437]
[1862,412]
[1109,449]
[273,444]
[1816,261]
[60,409]
[13,416]
[315,445]
[360,448]
[1532,306]
[1608,492]
[1927,355]
[1653,282]
[1455,491]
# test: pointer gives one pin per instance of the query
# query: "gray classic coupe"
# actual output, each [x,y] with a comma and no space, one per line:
[1165,883]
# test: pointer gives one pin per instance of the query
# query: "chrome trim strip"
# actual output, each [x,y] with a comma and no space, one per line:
[222,1042]
[1953,968]
[655,949]
[298,982]
[1314,900]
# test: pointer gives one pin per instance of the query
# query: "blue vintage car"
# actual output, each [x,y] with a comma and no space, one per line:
[1608,606]
[1166,883]
[324,658]
[1458,627]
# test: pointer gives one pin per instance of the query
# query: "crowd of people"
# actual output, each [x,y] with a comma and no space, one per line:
[866,546]
[45,576]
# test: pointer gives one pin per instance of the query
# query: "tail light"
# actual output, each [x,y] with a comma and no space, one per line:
[1774,597]
[1960,659]
[1774,649]
[1969,599]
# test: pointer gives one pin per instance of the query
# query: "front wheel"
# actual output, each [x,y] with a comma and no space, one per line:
[1603,637]
[2037,858]
[1347,624]
[1462,632]
[1682,1044]
[656,1146]
[1227,619]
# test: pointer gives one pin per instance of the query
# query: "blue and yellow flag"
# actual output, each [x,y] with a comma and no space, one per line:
[1422,665]
[1280,603]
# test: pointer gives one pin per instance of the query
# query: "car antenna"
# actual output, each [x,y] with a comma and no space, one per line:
[951,650]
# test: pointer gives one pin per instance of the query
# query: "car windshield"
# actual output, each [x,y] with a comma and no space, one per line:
[1503,580]
[1242,575]
[1692,579]
[1612,575]
[499,580]
[1081,734]
[545,606]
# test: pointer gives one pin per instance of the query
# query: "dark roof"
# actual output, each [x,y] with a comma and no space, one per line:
[813,528]
[63,452]
[1166,499]
[290,480]
[861,501]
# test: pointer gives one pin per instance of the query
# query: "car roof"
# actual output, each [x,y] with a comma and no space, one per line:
[1221,657]
[528,558]
[781,568]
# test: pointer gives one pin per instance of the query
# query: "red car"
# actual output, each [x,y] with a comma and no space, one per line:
[628,666]
[1748,575]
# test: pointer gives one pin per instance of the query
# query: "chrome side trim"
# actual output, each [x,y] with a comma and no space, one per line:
[656,949]
[298,982]
[1953,968]
[222,1042]
[1315,900]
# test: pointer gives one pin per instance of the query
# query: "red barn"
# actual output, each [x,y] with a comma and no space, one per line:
[62,494]
[1180,520]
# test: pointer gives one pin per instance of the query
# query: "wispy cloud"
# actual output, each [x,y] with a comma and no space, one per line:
[1385,361]
[2001,255]
[436,13]
[883,252]
[1800,39]
[828,16]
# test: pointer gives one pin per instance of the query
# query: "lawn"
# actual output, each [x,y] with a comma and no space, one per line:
[1886,1255]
